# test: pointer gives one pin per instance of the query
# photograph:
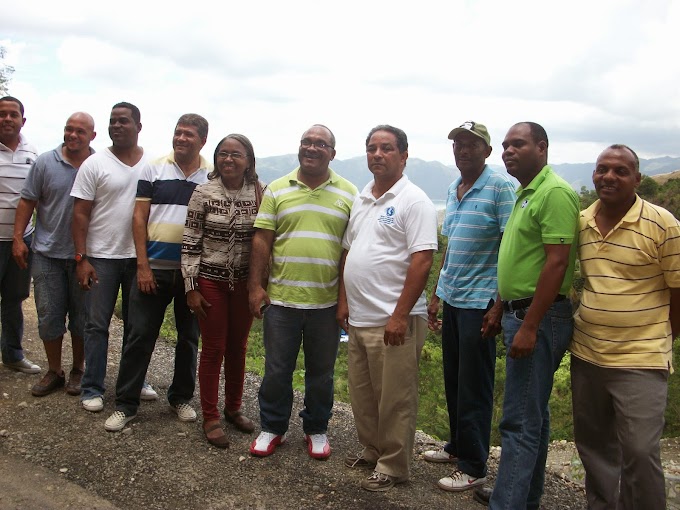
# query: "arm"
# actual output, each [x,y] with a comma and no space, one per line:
[23,216]
[433,323]
[547,288]
[140,218]
[82,210]
[263,240]
[675,312]
[416,278]
[342,314]
[192,249]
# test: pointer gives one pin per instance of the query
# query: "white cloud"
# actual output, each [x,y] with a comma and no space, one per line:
[591,72]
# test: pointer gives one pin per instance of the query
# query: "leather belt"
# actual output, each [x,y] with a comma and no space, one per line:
[519,304]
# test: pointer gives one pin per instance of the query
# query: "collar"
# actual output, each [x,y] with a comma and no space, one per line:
[537,181]
[632,215]
[396,188]
[480,182]
[293,179]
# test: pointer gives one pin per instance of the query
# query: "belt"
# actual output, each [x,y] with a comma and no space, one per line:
[518,304]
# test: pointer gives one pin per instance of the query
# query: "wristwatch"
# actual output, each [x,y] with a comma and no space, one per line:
[80,257]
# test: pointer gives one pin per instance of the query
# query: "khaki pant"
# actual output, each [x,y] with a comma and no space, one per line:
[383,386]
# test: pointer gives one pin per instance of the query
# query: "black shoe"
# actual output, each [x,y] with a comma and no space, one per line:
[482,495]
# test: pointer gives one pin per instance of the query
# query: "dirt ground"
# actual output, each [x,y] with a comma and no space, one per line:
[53,454]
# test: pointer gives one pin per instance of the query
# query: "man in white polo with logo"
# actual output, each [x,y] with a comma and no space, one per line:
[390,241]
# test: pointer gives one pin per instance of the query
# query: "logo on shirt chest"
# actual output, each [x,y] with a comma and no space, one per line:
[387,217]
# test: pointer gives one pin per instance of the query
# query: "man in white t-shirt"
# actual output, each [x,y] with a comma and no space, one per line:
[104,192]
[389,243]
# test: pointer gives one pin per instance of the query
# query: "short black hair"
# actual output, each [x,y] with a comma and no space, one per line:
[620,146]
[538,133]
[402,140]
[13,99]
[136,115]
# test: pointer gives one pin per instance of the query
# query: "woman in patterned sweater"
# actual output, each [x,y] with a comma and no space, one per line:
[215,252]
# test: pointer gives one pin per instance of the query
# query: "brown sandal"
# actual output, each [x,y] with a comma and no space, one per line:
[240,421]
[219,441]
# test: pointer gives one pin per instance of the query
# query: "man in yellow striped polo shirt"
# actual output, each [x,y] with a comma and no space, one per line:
[623,332]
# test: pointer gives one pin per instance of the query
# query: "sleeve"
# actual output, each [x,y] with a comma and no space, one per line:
[85,185]
[669,252]
[34,181]
[421,226]
[192,240]
[266,217]
[505,202]
[145,183]
[559,216]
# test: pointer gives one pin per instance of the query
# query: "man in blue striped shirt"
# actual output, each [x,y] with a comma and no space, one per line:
[478,206]
[163,191]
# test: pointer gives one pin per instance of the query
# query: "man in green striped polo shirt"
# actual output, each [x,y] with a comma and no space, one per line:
[300,227]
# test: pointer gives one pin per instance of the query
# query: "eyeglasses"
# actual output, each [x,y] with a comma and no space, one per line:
[306,144]
[234,155]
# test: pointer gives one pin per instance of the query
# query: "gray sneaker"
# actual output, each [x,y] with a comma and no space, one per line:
[23,365]
[439,456]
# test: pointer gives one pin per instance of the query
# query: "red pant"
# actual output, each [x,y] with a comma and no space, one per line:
[225,336]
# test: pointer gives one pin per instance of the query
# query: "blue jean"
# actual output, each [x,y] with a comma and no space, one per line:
[146,318]
[100,301]
[525,427]
[57,294]
[15,286]
[284,330]
[469,368]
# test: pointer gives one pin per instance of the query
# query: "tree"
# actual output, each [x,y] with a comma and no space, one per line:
[648,187]
[5,73]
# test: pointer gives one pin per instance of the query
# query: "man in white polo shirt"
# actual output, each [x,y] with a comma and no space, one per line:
[390,241]
[16,158]
[104,192]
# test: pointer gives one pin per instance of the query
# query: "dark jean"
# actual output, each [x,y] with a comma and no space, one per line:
[15,286]
[100,301]
[146,318]
[284,330]
[469,368]
[525,427]
[57,295]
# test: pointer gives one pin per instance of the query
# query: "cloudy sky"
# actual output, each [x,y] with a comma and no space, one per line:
[593,72]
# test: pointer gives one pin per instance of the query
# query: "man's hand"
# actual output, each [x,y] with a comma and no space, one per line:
[20,253]
[491,322]
[197,304]
[342,314]
[256,296]
[433,323]
[523,343]
[86,274]
[146,281]
[395,330]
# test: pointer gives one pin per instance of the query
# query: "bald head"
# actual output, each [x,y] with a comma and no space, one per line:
[78,133]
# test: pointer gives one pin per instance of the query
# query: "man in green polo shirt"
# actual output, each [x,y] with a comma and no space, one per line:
[300,226]
[535,271]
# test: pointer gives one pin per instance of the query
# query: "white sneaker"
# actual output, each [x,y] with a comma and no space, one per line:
[459,481]
[266,443]
[117,421]
[440,456]
[94,404]
[148,393]
[23,365]
[184,412]
[318,446]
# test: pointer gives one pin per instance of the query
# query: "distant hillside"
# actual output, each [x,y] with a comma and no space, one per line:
[664,178]
[435,177]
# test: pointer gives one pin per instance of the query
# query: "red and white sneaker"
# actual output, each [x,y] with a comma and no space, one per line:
[318,446]
[266,443]
[460,481]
